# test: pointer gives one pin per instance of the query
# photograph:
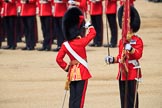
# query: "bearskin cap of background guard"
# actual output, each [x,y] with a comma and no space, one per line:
[73,23]
[134,18]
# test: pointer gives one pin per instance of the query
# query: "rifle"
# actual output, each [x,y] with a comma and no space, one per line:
[108,49]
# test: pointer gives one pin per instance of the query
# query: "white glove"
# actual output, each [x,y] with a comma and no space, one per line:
[128,47]
[87,24]
[109,59]
[71,2]
[43,1]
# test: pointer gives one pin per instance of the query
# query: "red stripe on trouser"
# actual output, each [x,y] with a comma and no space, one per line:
[83,94]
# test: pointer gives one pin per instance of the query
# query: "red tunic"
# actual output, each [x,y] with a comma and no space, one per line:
[60,8]
[83,5]
[27,9]
[78,45]
[9,8]
[131,2]
[111,6]
[45,9]
[0,6]
[95,8]
[137,44]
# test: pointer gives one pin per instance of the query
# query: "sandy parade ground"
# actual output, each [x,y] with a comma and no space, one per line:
[32,79]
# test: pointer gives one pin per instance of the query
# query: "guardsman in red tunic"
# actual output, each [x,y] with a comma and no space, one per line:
[134,48]
[60,7]
[111,10]
[45,14]
[131,2]
[28,14]
[78,73]
[9,19]
[95,11]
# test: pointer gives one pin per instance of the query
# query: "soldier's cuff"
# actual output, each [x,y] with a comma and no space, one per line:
[67,68]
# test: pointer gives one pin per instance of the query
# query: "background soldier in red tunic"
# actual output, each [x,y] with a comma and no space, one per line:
[73,22]
[45,14]
[111,10]
[60,7]
[134,47]
[95,12]
[28,14]
[9,20]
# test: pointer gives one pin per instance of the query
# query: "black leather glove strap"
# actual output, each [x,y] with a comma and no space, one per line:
[67,70]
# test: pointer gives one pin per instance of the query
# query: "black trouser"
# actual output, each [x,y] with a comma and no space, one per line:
[20,29]
[57,22]
[30,30]
[10,28]
[77,93]
[46,24]
[130,93]
[113,28]
[97,22]
[1,30]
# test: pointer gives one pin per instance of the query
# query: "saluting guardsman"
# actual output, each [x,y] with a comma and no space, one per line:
[27,10]
[95,11]
[74,48]
[111,10]
[130,52]
[59,9]
[45,14]
[9,19]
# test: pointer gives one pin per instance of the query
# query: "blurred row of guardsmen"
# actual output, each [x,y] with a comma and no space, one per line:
[18,18]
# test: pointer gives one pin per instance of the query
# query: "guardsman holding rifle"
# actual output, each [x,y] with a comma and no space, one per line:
[95,11]
[28,14]
[59,9]
[111,10]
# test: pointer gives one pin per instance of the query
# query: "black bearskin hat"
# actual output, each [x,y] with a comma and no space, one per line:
[72,23]
[134,18]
